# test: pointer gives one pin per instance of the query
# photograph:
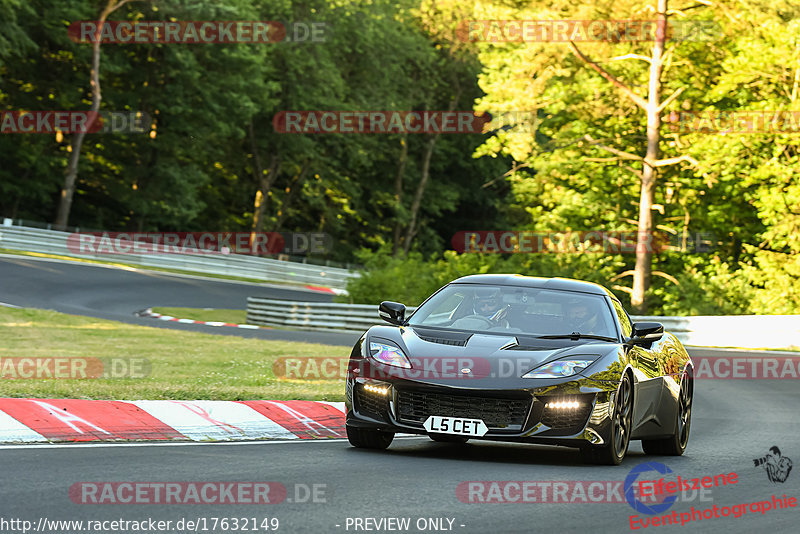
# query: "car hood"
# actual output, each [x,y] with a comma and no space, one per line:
[475,360]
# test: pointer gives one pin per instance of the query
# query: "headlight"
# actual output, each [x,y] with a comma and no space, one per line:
[559,369]
[389,354]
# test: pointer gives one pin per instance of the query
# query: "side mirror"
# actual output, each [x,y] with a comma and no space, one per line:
[392,312]
[647,332]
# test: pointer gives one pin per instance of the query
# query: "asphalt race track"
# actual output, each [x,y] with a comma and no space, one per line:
[117,294]
[417,478]
[734,422]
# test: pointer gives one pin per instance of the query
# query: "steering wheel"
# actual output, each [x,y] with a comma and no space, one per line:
[488,321]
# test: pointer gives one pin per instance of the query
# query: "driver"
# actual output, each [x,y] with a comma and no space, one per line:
[579,317]
[487,303]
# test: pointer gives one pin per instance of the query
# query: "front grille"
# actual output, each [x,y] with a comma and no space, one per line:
[371,402]
[417,406]
[562,418]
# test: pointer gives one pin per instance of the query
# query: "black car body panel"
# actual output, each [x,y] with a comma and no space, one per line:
[481,378]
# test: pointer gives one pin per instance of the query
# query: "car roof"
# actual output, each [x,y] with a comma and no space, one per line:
[563,284]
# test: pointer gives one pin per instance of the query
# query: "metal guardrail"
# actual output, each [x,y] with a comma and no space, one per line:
[352,318]
[28,239]
[747,331]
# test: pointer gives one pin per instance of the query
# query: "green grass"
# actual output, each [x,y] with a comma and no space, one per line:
[206,314]
[183,365]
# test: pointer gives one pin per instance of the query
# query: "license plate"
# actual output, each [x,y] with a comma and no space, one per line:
[455,425]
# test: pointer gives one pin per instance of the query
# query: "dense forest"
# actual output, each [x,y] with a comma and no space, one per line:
[620,134]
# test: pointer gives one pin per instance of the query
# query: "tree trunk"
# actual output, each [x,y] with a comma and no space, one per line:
[412,228]
[398,195]
[644,247]
[295,185]
[265,181]
[71,174]
[417,202]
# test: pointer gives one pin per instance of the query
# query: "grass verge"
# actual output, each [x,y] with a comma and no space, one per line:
[182,365]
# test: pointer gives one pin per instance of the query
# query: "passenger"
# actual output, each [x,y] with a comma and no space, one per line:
[580,318]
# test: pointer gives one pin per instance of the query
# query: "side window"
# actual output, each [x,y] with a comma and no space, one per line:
[624,320]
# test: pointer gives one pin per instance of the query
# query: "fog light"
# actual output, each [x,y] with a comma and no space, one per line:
[565,404]
[376,389]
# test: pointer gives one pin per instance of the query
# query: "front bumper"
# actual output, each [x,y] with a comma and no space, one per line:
[514,415]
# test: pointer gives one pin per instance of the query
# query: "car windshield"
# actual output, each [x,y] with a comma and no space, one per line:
[516,310]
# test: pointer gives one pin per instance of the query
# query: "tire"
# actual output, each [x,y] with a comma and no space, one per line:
[445,438]
[368,438]
[675,445]
[613,452]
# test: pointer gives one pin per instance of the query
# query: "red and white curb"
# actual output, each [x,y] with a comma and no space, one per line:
[330,290]
[150,313]
[53,420]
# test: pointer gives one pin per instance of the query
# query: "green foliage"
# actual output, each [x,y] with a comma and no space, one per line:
[402,279]
[199,168]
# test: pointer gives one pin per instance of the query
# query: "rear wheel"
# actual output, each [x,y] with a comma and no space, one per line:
[368,438]
[675,445]
[445,438]
[613,452]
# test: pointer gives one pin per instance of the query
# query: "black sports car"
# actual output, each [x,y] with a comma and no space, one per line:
[523,359]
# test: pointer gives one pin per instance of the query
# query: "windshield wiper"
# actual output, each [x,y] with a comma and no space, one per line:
[576,336]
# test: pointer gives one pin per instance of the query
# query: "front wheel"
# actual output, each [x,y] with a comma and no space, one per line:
[613,452]
[675,445]
[368,438]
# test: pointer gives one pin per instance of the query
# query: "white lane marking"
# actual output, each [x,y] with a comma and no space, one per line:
[7,305]
[12,430]
[187,443]
[219,420]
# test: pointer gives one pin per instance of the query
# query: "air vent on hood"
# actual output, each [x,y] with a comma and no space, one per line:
[456,339]
[443,341]
[527,347]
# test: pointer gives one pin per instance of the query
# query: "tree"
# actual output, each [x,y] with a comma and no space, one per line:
[65,203]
